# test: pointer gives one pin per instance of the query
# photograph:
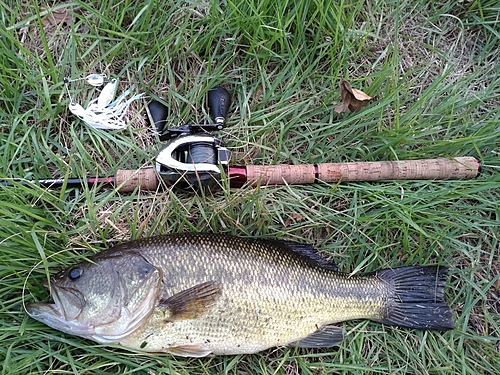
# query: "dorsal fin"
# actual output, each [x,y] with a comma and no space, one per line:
[306,252]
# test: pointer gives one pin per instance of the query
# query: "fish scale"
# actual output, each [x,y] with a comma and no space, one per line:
[220,294]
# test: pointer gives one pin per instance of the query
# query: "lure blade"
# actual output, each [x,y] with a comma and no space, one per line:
[95,79]
[107,94]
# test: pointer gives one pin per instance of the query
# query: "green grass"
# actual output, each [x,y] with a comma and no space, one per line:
[434,74]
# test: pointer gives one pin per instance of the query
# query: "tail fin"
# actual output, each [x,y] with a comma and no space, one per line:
[417,301]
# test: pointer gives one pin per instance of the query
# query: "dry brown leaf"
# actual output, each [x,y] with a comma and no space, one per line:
[342,108]
[56,18]
[352,99]
[360,95]
[293,218]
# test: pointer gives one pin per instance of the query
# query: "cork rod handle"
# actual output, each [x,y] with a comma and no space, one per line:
[128,180]
[425,169]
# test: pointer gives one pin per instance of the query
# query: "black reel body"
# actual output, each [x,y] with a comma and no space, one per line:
[191,162]
[192,159]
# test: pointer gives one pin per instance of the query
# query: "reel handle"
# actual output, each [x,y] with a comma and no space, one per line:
[219,101]
[158,113]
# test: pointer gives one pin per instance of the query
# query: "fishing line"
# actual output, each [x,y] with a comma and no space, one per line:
[23,293]
[490,166]
[66,81]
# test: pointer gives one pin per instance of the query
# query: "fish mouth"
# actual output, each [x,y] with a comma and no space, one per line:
[41,310]
[56,316]
[68,301]
[51,315]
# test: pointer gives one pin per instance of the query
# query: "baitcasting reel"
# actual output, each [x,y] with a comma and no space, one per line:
[192,159]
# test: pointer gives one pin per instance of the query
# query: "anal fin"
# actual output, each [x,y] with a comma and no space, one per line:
[325,337]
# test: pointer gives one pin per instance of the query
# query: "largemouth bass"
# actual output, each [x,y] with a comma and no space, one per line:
[200,294]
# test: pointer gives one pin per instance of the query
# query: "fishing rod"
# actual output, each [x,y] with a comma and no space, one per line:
[193,159]
[147,178]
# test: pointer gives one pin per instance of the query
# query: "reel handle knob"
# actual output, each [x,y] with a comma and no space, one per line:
[219,101]
[158,114]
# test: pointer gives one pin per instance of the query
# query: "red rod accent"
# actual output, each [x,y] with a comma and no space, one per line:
[101,180]
[237,176]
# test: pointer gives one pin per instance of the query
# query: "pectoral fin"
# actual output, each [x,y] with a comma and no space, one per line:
[189,350]
[191,303]
[324,337]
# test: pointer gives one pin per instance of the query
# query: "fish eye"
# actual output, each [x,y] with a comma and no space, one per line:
[75,273]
